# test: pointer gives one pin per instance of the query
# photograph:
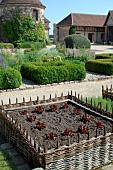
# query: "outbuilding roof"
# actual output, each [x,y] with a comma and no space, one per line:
[33,2]
[78,19]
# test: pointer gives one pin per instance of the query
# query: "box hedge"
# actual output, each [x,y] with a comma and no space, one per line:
[102,66]
[77,41]
[6,45]
[52,72]
[10,78]
[104,56]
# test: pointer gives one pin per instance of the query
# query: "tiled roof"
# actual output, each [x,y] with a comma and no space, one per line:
[34,2]
[83,20]
[110,14]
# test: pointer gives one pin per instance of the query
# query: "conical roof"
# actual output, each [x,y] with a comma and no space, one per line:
[33,2]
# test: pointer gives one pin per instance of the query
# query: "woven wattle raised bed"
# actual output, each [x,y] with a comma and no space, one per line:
[57,134]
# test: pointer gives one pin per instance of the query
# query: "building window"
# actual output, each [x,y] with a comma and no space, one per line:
[35,15]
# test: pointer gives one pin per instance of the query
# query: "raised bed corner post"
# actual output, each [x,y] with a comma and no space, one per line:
[62,95]
[106,107]
[55,96]
[81,98]
[45,149]
[30,99]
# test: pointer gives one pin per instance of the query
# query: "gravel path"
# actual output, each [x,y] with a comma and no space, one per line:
[88,88]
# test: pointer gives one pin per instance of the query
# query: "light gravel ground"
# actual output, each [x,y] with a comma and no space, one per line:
[89,88]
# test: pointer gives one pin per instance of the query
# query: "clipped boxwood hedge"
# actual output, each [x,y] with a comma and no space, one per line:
[52,72]
[77,41]
[10,78]
[6,45]
[103,66]
[103,56]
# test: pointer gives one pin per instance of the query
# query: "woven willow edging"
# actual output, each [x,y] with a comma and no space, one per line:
[78,156]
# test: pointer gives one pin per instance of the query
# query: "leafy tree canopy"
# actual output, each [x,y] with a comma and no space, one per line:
[20,28]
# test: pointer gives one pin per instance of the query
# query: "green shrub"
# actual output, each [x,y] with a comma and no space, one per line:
[52,72]
[103,56]
[10,78]
[72,30]
[103,66]
[33,45]
[6,45]
[77,41]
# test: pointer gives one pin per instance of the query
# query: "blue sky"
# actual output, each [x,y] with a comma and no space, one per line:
[56,10]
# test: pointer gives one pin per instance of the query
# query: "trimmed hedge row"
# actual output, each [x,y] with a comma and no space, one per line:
[103,66]
[103,56]
[10,78]
[52,72]
[6,45]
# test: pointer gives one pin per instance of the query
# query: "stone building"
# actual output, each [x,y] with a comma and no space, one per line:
[33,7]
[97,28]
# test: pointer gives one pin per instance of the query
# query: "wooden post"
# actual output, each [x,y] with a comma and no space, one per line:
[112,113]
[16,100]
[43,97]
[91,102]
[96,132]
[104,131]
[2,103]
[78,137]
[86,101]
[78,97]
[81,98]
[62,95]
[35,144]
[75,96]
[71,95]
[37,98]
[9,101]
[50,97]
[39,147]
[23,100]
[55,96]
[111,88]
[30,99]
[106,107]
[58,143]
[45,149]
[112,128]
[100,106]
[69,141]
[68,94]
[88,136]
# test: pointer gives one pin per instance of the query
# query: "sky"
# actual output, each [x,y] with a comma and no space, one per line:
[56,10]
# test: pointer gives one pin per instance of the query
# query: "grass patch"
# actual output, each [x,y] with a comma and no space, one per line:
[99,100]
[6,162]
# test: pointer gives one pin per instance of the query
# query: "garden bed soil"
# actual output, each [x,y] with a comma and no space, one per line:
[58,124]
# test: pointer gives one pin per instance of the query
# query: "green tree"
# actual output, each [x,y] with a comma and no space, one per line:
[20,28]
[72,30]
[41,31]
